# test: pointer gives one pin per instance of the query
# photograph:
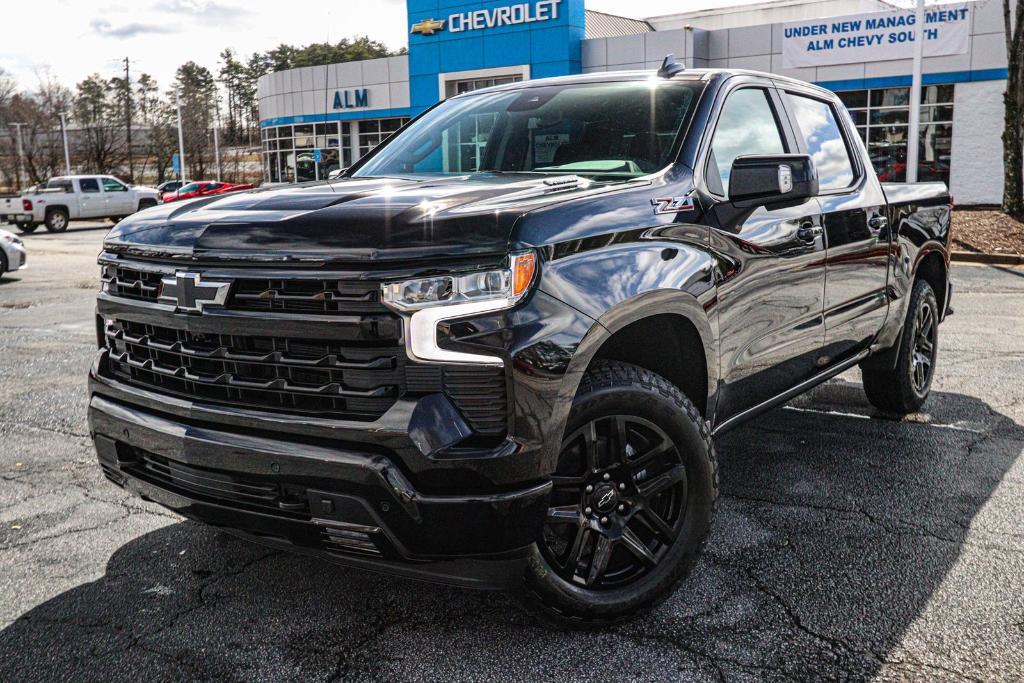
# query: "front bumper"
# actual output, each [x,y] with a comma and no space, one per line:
[352,507]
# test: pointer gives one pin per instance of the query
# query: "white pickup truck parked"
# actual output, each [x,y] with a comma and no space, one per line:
[74,197]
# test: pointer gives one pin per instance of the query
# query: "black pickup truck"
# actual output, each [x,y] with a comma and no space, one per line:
[495,352]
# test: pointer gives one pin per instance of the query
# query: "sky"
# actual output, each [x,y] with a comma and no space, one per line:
[73,38]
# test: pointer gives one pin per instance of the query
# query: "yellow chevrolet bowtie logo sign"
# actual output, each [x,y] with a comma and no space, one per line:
[428,27]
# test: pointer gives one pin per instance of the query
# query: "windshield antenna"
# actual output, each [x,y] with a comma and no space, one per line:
[670,67]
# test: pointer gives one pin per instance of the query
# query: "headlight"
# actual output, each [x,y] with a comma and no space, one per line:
[508,285]
[9,237]
[424,302]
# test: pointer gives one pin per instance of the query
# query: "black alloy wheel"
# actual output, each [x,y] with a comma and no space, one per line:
[633,496]
[618,502]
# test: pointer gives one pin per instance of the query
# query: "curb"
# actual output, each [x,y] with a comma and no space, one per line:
[991,259]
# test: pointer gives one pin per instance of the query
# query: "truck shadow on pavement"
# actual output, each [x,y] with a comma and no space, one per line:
[835,537]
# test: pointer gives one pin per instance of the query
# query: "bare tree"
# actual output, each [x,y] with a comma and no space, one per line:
[1013,122]
[43,142]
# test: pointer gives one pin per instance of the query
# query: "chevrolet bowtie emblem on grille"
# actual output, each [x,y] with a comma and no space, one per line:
[428,27]
[187,292]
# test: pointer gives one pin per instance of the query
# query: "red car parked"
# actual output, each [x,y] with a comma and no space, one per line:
[203,188]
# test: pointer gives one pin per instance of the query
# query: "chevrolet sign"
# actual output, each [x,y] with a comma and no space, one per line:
[510,15]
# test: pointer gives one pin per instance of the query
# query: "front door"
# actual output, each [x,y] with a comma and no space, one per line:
[854,218]
[119,199]
[772,265]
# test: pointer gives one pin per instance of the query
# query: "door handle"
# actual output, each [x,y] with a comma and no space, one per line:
[808,232]
[876,224]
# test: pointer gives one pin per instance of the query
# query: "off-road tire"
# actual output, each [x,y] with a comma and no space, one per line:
[614,389]
[895,390]
[57,220]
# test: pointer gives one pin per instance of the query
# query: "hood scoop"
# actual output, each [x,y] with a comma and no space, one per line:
[564,182]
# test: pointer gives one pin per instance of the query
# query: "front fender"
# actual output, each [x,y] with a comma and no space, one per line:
[669,272]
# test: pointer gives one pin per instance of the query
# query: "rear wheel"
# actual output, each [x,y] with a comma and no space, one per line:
[57,220]
[633,498]
[904,389]
[27,228]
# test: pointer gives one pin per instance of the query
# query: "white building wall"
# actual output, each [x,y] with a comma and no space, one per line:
[976,174]
[310,90]
[764,13]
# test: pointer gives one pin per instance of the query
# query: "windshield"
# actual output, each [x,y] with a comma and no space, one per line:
[613,130]
[191,187]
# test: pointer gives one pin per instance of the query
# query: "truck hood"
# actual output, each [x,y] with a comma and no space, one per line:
[350,219]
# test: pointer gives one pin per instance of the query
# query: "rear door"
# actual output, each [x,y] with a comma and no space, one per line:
[91,202]
[855,220]
[772,268]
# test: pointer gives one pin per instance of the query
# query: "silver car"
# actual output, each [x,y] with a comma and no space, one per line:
[12,253]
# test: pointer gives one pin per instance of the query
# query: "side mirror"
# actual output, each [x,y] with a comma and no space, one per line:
[772,180]
[335,174]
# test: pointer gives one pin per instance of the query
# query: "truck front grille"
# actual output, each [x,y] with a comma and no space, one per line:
[355,369]
[295,375]
[327,378]
[307,296]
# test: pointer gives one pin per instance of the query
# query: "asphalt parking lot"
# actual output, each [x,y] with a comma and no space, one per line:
[847,545]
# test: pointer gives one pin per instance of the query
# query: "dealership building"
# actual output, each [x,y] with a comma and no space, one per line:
[315,119]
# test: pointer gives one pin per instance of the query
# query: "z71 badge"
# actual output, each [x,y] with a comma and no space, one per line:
[672,204]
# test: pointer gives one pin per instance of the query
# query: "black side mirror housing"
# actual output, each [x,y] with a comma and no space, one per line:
[772,180]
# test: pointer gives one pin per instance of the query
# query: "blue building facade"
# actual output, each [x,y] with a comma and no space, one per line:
[455,40]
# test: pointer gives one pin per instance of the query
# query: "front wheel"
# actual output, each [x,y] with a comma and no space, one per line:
[634,494]
[904,389]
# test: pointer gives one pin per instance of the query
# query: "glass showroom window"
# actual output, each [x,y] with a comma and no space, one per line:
[289,152]
[882,117]
[375,131]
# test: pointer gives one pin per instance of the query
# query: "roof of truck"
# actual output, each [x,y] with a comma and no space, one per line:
[83,175]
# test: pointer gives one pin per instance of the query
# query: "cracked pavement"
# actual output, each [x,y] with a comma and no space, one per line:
[847,546]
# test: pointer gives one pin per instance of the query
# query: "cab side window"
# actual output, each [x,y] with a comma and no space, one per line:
[89,185]
[747,125]
[112,185]
[821,134]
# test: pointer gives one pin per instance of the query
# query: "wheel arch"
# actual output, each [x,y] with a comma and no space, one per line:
[635,332]
[933,267]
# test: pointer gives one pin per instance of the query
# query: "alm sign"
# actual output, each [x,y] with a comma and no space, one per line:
[351,99]
[874,37]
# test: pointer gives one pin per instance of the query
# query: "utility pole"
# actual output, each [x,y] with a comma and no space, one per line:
[128,120]
[181,137]
[216,135]
[21,153]
[64,134]
[914,130]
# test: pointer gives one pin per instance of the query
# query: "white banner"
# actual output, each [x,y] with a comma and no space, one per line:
[875,37]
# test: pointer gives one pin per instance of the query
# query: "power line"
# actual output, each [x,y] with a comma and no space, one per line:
[128,119]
